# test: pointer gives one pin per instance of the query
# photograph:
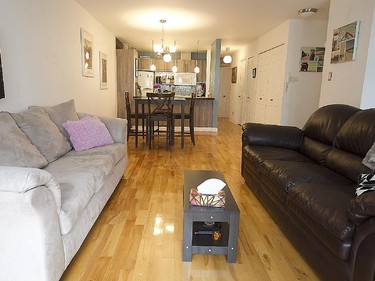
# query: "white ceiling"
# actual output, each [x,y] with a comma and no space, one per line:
[236,22]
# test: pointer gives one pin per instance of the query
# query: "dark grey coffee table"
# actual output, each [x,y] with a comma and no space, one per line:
[194,218]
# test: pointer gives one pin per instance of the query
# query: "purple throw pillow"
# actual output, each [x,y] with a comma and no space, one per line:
[87,133]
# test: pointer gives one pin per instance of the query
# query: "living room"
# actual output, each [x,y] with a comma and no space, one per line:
[41,62]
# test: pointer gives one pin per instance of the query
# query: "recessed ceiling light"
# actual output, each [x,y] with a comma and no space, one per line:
[307,12]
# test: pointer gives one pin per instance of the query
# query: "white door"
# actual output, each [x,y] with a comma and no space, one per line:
[238,117]
[270,85]
[249,103]
[224,91]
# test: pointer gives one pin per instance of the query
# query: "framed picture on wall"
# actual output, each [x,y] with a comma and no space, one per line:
[103,70]
[234,74]
[345,42]
[86,53]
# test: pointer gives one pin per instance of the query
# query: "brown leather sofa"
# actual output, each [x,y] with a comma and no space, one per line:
[306,180]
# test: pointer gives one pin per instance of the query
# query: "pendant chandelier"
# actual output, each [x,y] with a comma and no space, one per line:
[227,58]
[196,69]
[163,50]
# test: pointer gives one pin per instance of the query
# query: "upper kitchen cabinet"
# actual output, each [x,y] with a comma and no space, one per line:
[125,77]
[144,63]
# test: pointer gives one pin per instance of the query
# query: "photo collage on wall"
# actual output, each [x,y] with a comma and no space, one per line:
[312,59]
[344,43]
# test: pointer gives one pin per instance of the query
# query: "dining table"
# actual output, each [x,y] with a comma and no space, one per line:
[142,100]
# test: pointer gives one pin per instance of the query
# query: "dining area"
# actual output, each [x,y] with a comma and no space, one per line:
[160,115]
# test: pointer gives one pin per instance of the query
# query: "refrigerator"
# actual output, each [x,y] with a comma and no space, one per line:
[145,82]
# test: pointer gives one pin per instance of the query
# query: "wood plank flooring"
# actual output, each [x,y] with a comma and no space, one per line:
[138,236]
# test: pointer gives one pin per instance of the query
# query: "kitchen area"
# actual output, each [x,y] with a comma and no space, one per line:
[180,76]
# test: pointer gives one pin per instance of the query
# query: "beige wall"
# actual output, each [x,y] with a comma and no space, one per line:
[40,46]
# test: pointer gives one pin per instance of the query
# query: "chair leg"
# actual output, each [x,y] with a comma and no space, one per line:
[191,124]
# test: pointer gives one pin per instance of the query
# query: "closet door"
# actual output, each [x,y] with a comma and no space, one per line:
[270,85]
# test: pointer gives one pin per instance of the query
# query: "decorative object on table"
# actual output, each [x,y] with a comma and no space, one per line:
[103,70]
[344,43]
[312,59]
[216,235]
[2,90]
[208,194]
[86,53]
[157,88]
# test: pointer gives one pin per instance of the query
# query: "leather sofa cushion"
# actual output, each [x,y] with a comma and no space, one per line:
[323,210]
[362,207]
[357,135]
[346,164]
[260,153]
[315,150]
[290,173]
[324,124]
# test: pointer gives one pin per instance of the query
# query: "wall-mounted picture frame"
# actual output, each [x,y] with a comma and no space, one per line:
[234,74]
[312,59]
[87,53]
[345,42]
[103,58]
[2,90]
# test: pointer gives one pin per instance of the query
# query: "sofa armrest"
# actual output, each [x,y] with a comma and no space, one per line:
[21,180]
[271,135]
[117,127]
[362,207]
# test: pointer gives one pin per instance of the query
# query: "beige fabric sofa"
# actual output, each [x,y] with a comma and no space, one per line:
[50,194]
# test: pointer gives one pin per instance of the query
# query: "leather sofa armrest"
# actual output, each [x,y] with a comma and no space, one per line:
[271,135]
[362,207]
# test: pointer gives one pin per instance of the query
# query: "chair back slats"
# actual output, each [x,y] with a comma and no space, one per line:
[160,104]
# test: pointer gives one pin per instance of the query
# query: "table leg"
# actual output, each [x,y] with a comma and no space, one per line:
[187,237]
[233,238]
[182,124]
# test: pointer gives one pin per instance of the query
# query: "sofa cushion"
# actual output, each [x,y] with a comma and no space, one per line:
[362,207]
[357,135]
[366,183]
[324,124]
[43,133]
[16,149]
[323,210]
[315,150]
[347,164]
[289,173]
[87,133]
[116,151]
[259,154]
[61,113]
[79,179]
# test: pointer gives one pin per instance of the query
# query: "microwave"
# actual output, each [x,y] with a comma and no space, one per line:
[185,79]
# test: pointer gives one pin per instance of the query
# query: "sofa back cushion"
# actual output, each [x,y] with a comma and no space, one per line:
[43,133]
[321,129]
[353,141]
[15,148]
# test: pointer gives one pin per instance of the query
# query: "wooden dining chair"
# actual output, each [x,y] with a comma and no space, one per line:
[131,116]
[160,110]
[189,116]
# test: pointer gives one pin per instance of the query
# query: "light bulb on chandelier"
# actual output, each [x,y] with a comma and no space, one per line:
[227,58]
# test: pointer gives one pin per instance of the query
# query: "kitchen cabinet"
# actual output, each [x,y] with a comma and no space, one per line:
[144,63]
[125,77]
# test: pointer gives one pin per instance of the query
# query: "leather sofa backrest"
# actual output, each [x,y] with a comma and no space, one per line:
[353,141]
[321,129]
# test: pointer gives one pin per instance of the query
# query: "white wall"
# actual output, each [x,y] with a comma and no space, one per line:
[302,95]
[348,79]
[40,48]
[301,98]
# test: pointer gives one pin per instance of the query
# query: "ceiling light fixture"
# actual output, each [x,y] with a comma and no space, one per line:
[307,12]
[164,51]
[153,66]
[227,58]
[196,68]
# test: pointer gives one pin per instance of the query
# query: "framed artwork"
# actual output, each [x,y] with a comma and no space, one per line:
[103,70]
[2,90]
[86,53]
[344,43]
[312,59]
[234,74]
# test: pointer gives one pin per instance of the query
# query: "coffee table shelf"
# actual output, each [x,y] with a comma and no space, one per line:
[195,216]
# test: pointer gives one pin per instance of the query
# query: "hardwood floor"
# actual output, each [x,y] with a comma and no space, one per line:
[138,236]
